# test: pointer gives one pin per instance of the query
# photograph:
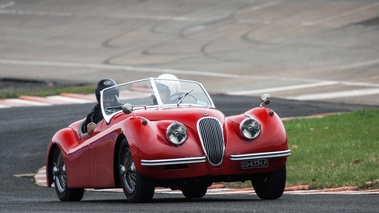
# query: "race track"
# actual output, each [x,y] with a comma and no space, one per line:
[294,49]
[311,56]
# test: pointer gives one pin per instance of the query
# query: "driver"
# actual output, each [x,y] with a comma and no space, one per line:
[167,85]
[95,116]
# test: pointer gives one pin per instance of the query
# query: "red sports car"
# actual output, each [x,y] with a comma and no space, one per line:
[168,133]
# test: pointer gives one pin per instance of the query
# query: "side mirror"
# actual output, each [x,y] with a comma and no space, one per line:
[127,108]
[265,99]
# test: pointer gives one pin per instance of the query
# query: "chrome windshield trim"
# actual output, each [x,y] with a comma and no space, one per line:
[173,161]
[267,155]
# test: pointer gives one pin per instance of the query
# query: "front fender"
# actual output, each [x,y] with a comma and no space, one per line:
[273,134]
[272,138]
[147,141]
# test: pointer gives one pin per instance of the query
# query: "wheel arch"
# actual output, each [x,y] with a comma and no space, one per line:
[117,180]
[49,171]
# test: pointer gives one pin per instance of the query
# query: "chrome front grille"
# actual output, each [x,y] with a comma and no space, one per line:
[212,139]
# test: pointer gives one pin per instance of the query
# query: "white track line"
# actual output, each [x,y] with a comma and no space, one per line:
[114,67]
[342,94]
[9,4]
[35,13]
[356,65]
[318,96]
[347,13]
[285,88]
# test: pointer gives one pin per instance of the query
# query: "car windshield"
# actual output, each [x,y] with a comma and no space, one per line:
[153,93]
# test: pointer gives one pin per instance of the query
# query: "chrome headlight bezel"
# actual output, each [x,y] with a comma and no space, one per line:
[250,128]
[176,133]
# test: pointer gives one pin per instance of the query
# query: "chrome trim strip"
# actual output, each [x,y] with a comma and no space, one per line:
[173,161]
[261,155]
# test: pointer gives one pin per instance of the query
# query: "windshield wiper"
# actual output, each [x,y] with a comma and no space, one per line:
[181,98]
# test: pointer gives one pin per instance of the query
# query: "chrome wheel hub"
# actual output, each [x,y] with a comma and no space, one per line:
[128,173]
[59,176]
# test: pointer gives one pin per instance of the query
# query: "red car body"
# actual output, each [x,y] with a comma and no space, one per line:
[215,149]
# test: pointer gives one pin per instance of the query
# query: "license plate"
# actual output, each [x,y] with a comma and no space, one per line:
[249,164]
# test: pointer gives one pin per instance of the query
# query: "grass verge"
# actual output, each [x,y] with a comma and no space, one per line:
[334,151]
[85,89]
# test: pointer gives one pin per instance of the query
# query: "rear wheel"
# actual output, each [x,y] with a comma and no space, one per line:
[270,185]
[136,187]
[60,180]
[194,191]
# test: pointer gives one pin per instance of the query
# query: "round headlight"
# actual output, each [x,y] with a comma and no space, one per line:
[176,133]
[250,128]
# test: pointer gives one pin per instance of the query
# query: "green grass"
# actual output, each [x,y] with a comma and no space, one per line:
[334,151]
[86,89]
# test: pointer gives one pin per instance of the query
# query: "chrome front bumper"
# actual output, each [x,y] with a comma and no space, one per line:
[202,159]
[173,161]
[262,155]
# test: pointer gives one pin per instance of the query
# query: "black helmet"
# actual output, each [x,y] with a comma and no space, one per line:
[102,84]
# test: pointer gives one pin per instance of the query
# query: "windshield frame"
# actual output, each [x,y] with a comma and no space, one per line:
[152,92]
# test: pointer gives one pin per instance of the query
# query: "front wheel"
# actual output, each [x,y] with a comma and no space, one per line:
[60,179]
[136,188]
[194,191]
[270,185]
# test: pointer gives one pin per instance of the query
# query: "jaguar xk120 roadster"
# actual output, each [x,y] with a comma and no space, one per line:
[168,133]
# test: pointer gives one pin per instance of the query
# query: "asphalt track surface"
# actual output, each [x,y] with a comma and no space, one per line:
[25,131]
